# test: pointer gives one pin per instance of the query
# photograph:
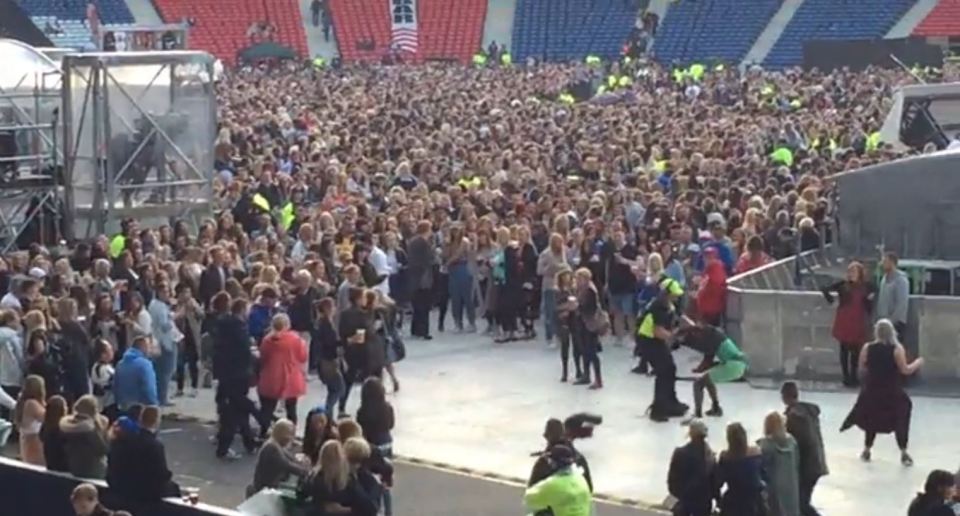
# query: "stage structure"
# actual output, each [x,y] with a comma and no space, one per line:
[138,133]
[31,180]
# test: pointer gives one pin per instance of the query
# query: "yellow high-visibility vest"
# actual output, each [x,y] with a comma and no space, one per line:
[469,182]
[319,62]
[567,98]
[592,60]
[696,71]
[117,244]
[783,156]
[506,59]
[625,81]
[479,59]
[873,141]
[261,202]
[287,215]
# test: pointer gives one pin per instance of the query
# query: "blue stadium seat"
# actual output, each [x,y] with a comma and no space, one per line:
[111,11]
[564,30]
[834,19]
[707,30]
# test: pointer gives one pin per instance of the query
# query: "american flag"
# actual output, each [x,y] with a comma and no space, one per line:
[405,38]
[403,18]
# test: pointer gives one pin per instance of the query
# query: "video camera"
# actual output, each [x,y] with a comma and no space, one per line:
[581,425]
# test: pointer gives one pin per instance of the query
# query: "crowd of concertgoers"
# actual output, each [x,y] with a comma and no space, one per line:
[353,203]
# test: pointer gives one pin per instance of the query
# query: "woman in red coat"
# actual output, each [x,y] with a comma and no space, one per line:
[852,318]
[712,296]
[283,357]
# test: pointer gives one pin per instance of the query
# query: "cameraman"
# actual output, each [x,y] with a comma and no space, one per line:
[577,426]
[565,492]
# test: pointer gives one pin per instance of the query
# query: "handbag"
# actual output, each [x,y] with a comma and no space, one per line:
[599,323]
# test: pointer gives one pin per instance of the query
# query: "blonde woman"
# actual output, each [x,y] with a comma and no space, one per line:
[275,461]
[883,405]
[780,459]
[588,303]
[28,417]
[330,484]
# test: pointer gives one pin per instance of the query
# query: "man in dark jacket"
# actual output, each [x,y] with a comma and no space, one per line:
[691,478]
[421,257]
[559,433]
[233,367]
[803,423]
[137,469]
[214,278]
[74,345]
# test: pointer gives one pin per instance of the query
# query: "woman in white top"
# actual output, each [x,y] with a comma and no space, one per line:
[28,417]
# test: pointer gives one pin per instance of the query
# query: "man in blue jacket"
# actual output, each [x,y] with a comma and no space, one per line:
[135,382]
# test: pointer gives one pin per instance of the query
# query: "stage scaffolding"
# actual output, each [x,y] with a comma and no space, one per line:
[138,133]
[31,182]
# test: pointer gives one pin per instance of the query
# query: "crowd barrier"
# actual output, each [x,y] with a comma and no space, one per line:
[31,490]
[785,330]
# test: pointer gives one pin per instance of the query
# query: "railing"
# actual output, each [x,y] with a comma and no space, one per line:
[29,490]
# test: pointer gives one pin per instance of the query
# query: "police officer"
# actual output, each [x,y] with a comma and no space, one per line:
[654,332]
[565,492]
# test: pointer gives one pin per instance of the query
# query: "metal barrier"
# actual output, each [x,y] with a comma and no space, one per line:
[783,324]
[29,490]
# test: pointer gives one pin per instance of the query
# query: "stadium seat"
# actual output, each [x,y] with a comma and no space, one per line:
[362,28]
[221,28]
[111,11]
[943,20]
[836,20]
[708,30]
[451,29]
[571,29]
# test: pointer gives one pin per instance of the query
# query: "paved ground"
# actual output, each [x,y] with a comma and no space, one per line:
[419,491]
[479,406]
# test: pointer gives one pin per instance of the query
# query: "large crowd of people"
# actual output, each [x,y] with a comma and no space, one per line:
[359,206]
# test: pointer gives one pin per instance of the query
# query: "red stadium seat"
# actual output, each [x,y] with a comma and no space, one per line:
[943,20]
[221,28]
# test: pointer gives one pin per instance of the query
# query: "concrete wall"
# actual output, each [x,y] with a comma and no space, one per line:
[788,333]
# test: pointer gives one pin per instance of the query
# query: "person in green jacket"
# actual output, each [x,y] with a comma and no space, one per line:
[565,492]
[723,363]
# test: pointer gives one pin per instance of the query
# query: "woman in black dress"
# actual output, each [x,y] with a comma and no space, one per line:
[588,305]
[883,406]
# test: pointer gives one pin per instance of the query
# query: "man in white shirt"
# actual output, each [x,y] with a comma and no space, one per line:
[381,264]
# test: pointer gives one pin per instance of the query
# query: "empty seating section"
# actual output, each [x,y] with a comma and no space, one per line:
[705,30]
[221,27]
[571,29]
[111,11]
[450,29]
[943,20]
[362,28]
[834,19]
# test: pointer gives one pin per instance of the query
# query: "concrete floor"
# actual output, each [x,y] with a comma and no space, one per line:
[474,405]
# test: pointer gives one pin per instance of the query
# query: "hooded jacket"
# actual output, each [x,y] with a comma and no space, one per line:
[135,381]
[11,357]
[780,473]
[85,443]
[137,469]
[566,493]
[803,423]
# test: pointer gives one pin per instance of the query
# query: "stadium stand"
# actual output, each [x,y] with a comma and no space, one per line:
[943,20]
[16,24]
[834,19]
[362,28]
[451,29]
[712,29]
[570,29]
[111,11]
[221,28]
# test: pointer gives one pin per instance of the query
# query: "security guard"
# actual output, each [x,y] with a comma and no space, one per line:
[654,330]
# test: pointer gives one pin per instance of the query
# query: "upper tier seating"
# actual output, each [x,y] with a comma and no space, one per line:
[450,29]
[705,30]
[362,28]
[571,29]
[221,28]
[943,20]
[111,11]
[834,19]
